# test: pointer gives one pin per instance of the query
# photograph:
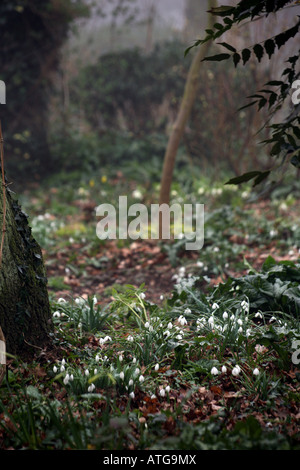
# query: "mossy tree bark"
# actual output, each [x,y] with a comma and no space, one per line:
[25,315]
[186,105]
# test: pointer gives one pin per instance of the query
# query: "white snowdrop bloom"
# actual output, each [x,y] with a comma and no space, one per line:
[156,367]
[200,264]
[54,369]
[142,295]
[122,375]
[215,306]
[141,378]
[225,315]
[272,319]
[66,379]
[151,328]
[95,300]
[132,395]
[86,372]
[224,369]
[214,371]
[107,338]
[136,194]
[62,368]
[130,383]
[137,371]
[216,249]
[182,320]
[248,332]
[79,301]
[167,333]
[130,338]
[232,317]
[187,311]
[244,305]
[236,370]
[240,322]
[211,321]
[95,371]
[147,324]
[56,314]
[153,396]
[170,325]
[91,388]
[162,392]
[97,358]
[168,388]
[134,360]
[120,357]
[71,377]
[240,330]
[63,362]
[61,300]
[256,371]
[258,315]
[179,337]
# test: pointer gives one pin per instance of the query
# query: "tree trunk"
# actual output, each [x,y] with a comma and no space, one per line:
[187,102]
[25,315]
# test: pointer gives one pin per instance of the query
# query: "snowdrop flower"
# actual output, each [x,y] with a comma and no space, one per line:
[132,395]
[215,306]
[232,317]
[141,378]
[120,357]
[179,337]
[130,383]
[91,388]
[156,367]
[130,338]
[86,372]
[66,379]
[61,300]
[240,322]
[182,320]
[142,295]
[56,314]
[224,369]
[147,324]
[167,333]
[97,358]
[200,264]
[258,315]
[214,371]
[54,369]
[162,392]
[240,330]
[236,370]
[95,371]
[122,375]
[134,360]
[256,371]
[225,315]
[168,388]
[244,305]
[95,300]
[211,321]
[62,368]
[187,311]
[137,371]
[161,297]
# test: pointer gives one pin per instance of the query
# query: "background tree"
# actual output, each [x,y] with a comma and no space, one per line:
[178,128]
[32,34]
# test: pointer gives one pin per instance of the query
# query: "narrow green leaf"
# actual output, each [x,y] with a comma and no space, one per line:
[217,57]
[228,46]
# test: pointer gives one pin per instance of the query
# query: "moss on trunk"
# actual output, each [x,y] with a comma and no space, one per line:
[25,315]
